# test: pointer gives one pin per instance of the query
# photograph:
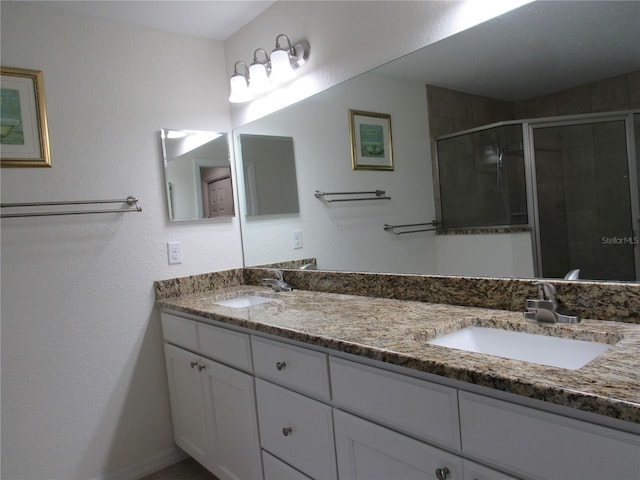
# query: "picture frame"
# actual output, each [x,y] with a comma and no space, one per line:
[371,140]
[24,134]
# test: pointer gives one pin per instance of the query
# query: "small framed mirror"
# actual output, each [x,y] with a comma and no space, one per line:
[198,178]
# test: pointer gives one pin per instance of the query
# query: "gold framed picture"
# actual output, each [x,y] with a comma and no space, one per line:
[24,135]
[371,145]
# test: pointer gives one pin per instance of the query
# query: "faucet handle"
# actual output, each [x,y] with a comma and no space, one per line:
[278,274]
[546,291]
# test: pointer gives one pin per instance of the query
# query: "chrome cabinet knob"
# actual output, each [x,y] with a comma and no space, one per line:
[281,365]
[193,364]
[201,367]
[442,473]
[286,431]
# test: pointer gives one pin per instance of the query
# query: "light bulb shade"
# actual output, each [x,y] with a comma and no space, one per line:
[281,69]
[258,79]
[239,89]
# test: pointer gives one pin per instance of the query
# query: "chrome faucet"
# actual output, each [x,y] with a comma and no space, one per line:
[545,308]
[278,284]
[573,274]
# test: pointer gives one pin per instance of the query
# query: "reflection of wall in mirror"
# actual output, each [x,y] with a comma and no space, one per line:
[350,235]
[269,166]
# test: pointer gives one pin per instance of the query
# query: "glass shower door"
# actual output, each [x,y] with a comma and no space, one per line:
[585,216]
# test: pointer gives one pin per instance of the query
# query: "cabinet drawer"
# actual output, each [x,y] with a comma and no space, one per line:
[302,370]
[179,331]
[228,346]
[275,469]
[543,445]
[426,410]
[475,471]
[368,451]
[296,429]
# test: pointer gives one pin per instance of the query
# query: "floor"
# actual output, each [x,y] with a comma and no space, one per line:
[188,469]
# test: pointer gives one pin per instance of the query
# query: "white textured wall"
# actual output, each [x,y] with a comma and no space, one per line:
[486,255]
[83,379]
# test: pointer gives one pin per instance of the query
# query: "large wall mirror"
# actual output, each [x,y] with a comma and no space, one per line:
[543,60]
[198,176]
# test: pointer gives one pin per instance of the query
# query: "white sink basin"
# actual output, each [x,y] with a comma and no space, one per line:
[553,351]
[244,301]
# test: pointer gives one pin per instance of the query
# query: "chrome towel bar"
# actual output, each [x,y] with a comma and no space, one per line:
[131,201]
[393,228]
[378,195]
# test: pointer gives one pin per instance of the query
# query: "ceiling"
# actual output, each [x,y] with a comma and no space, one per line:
[216,20]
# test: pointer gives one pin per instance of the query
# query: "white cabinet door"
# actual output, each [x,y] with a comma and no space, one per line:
[214,416]
[541,445]
[188,402]
[232,422]
[367,451]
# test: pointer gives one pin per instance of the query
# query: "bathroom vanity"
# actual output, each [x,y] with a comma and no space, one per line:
[307,384]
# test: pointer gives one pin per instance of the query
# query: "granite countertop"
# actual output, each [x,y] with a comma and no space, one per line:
[396,332]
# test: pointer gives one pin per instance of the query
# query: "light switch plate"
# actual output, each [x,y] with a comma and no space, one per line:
[297,238]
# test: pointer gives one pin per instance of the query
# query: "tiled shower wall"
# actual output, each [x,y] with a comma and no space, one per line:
[615,93]
[583,198]
[451,111]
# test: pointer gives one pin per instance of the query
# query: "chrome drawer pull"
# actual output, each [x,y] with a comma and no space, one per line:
[281,365]
[286,431]
[442,473]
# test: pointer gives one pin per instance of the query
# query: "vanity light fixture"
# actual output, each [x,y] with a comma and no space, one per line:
[240,85]
[259,73]
[283,60]
[278,67]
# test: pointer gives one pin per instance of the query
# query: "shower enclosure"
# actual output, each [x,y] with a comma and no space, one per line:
[572,181]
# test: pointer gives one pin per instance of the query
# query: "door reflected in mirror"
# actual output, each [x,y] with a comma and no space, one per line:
[198,177]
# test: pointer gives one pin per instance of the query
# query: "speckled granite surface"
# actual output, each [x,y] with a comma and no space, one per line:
[206,282]
[600,300]
[485,230]
[396,332]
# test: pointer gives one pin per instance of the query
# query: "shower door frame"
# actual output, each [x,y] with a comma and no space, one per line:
[528,127]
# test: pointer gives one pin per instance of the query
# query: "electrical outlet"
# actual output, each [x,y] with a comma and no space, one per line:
[174,252]
[297,238]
